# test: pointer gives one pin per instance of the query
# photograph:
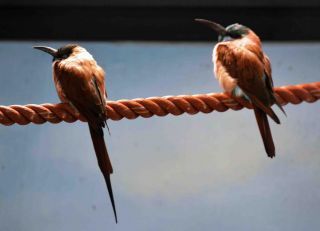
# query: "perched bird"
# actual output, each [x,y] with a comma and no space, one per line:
[243,70]
[79,81]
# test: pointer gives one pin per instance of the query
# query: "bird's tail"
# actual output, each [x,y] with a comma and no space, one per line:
[103,160]
[265,131]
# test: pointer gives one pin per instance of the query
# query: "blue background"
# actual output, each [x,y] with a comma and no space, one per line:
[201,172]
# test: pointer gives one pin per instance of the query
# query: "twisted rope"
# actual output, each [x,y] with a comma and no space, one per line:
[160,106]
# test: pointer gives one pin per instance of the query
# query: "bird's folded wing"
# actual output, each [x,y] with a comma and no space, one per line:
[83,91]
[249,71]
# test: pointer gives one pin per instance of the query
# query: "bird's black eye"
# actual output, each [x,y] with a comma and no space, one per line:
[64,56]
[61,55]
[234,35]
[225,38]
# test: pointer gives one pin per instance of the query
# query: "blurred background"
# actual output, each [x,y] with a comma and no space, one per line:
[200,172]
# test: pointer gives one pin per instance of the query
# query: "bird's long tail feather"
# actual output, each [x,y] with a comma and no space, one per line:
[265,131]
[103,160]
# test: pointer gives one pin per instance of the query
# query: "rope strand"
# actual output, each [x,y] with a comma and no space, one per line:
[160,106]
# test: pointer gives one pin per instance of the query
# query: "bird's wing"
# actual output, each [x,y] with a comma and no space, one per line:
[249,71]
[269,81]
[268,71]
[84,91]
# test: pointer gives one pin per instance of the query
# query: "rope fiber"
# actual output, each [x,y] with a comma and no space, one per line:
[147,107]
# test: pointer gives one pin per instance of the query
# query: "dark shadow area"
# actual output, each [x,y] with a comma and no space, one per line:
[153,23]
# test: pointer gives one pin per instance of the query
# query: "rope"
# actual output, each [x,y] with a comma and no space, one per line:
[160,106]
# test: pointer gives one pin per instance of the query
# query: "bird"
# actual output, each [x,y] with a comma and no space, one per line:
[244,70]
[80,82]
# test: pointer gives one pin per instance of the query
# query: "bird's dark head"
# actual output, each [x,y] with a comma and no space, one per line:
[231,32]
[62,53]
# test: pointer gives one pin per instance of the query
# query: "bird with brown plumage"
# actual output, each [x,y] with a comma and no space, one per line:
[244,70]
[80,81]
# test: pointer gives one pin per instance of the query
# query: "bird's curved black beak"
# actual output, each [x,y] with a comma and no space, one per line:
[49,50]
[213,25]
